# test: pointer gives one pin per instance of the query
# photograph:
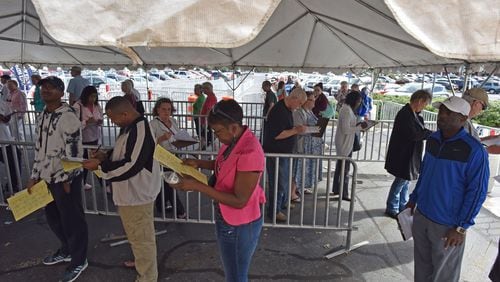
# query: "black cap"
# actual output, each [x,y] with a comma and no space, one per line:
[5,76]
[54,81]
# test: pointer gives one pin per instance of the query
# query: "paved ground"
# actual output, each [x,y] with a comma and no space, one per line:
[188,251]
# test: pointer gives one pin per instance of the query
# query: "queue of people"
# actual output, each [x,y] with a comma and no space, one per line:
[135,176]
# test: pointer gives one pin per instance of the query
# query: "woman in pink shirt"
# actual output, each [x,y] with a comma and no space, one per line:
[18,105]
[90,114]
[237,192]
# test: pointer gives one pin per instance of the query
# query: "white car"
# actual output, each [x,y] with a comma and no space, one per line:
[410,88]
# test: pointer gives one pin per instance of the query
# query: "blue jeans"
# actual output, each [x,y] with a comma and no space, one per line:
[283,184]
[398,196]
[237,245]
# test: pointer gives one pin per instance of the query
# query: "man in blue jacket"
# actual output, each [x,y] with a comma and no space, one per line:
[450,191]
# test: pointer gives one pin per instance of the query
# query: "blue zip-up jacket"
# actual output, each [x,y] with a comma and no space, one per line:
[454,180]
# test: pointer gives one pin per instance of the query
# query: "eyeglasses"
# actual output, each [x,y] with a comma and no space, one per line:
[217,111]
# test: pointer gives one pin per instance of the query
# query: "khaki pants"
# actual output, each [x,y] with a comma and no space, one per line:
[138,224]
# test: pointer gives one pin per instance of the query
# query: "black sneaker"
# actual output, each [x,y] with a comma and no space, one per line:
[56,258]
[72,273]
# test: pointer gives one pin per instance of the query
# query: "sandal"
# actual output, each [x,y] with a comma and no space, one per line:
[296,200]
[129,264]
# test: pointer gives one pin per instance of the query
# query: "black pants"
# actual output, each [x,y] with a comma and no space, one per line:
[169,198]
[206,134]
[336,178]
[66,219]
[196,121]
[86,156]
[9,149]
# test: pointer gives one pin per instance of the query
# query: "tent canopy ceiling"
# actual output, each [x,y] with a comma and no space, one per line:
[287,34]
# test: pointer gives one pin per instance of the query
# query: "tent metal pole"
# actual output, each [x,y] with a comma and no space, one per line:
[375,77]
[228,85]
[466,77]
[23,30]
[423,81]
[147,82]
[489,76]
[449,80]
[10,26]
[244,78]
[434,83]
[234,77]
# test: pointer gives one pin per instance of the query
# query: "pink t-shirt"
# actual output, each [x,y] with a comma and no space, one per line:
[247,155]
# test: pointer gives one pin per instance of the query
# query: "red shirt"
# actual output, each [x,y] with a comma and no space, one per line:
[207,107]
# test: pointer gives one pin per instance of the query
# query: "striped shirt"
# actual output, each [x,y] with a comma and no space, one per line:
[133,173]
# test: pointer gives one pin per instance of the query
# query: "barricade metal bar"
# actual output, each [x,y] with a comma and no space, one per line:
[204,206]
[7,171]
[341,190]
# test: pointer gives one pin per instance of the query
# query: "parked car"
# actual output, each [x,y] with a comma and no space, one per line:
[410,88]
[447,84]
[460,83]
[183,74]
[96,81]
[492,87]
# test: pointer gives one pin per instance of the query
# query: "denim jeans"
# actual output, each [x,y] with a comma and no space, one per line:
[398,196]
[283,184]
[237,245]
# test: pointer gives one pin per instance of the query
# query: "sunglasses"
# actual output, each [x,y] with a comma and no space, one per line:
[217,111]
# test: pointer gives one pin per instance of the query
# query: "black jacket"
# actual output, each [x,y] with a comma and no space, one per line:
[404,154]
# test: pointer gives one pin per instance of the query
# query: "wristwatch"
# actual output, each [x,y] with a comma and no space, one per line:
[461,230]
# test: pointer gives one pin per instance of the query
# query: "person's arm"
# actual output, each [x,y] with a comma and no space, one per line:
[321,105]
[35,171]
[410,131]
[291,132]
[244,185]
[344,121]
[249,166]
[477,175]
[159,134]
[71,92]
[72,138]
[203,164]
[412,202]
[269,101]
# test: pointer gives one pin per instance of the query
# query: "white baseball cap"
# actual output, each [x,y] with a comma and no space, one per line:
[454,104]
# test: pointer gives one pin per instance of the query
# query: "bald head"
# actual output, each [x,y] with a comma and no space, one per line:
[119,104]
[121,112]
[296,99]
[298,93]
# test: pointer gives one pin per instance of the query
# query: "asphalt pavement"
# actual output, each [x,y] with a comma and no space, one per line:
[188,251]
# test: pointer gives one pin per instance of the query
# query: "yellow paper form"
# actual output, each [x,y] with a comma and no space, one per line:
[71,165]
[23,204]
[171,161]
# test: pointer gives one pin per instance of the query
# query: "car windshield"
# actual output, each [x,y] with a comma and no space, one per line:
[409,88]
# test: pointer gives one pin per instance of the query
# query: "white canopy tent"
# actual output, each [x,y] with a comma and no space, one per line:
[300,34]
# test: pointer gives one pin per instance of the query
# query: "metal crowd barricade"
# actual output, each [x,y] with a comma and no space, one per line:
[316,211]
[375,140]
[389,110]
